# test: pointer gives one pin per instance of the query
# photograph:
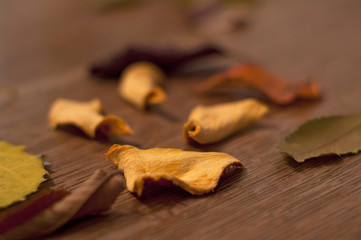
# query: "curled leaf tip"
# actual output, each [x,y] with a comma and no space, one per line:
[139,85]
[210,124]
[255,77]
[196,172]
[87,117]
[310,90]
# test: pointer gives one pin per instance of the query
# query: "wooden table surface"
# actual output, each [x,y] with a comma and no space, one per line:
[47,46]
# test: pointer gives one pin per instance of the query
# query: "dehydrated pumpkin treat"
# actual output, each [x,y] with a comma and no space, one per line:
[210,124]
[140,84]
[196,172]
[87,117]
[252,76]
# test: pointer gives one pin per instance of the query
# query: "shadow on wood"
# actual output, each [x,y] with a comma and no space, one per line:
[100,137]
[72,130]
[164,193]
[217,146]
[163,113]
[116,140]
[314,162]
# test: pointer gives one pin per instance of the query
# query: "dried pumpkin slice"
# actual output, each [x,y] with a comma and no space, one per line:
[209,124]
[139,84]
[196,172]
[87,117]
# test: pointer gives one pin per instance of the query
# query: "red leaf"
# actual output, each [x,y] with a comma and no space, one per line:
[31,209]
[255,77]
[49,212]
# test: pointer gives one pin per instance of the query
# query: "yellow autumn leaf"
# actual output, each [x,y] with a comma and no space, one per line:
[87,117]
[139,84]
[20,173]
[209,124]
[195,172]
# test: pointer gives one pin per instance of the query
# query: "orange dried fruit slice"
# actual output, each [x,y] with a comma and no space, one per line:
[196,172]
[87,117]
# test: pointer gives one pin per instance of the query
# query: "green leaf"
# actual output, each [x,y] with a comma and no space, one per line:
[324,136]
[20,173]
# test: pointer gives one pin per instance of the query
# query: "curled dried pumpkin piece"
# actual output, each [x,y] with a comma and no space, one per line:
[87,117]
[196,172]
[210,124]
[276,89]
[139,84]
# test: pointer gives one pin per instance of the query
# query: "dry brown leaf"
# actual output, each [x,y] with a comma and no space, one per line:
[210,124]
[51,211]
[195,172]
[170,60]
[87,117]
[139,84]
[253,76]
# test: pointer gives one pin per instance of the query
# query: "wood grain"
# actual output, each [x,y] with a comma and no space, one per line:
[47,46]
